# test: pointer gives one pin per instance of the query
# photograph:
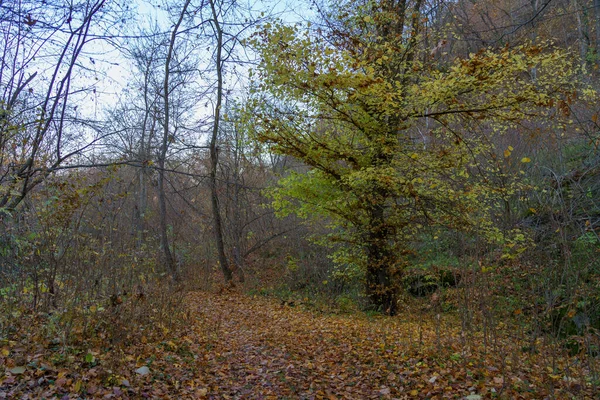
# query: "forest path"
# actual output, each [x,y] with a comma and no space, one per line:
[260,348]
[235,346]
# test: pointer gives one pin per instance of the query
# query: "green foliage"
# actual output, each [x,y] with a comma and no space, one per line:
[390,141]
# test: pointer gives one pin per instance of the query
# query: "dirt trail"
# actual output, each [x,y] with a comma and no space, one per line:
[235,346]
[257,348]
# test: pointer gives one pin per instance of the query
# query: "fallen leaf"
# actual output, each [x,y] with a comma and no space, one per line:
[142,370]
[17,370]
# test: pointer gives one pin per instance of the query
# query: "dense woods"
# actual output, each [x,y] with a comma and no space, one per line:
[351,199]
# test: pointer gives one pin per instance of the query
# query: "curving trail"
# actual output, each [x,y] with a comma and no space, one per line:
[241,347]
[260,349]
[256,348]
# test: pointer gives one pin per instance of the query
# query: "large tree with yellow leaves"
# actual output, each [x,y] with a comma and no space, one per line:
[387,131]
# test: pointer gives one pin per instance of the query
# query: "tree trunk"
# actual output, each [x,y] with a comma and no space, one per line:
[381,289]
[597,17]
[214,153]
[237,226]
[582,31]
[144,157]
[381,258]
[162,202]
[141,207]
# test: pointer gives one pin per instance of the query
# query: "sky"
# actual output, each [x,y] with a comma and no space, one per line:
[117,71]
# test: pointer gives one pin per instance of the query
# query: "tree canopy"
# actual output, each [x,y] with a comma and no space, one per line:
[392,137]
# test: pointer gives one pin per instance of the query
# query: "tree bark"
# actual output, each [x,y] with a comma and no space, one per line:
[162,202]
[144,156]
[381,290]
[582,32]
[597,17]
[214,153]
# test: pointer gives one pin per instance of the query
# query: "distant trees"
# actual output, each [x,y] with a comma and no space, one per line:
[171,119]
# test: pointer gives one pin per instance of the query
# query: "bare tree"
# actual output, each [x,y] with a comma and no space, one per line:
[229,22]
[36,108]
[167,136]
[214,154]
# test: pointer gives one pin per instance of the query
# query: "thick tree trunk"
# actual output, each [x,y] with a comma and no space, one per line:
[142,200]
[381,277]
[381,289]
[164,239]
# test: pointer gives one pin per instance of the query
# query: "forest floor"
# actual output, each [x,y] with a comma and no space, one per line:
[235,346]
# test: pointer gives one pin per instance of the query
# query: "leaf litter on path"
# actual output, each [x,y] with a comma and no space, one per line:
[242,347]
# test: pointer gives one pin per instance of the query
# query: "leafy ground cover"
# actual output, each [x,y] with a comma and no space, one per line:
[232,345]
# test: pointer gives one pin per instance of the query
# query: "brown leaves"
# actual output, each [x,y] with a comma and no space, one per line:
[264,350]
[241,347]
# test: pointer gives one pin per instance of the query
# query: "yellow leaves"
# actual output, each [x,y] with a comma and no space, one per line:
[485,269]
[590,94]
[171,346]
[525,160]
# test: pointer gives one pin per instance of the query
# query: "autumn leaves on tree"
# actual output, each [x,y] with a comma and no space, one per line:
[390,134]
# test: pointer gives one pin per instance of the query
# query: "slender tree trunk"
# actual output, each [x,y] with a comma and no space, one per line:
[162,202]
[143,156]
[582,31]
[214,153]
[141,206]
[597,17]
[237,225]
